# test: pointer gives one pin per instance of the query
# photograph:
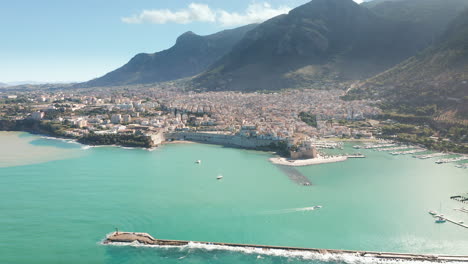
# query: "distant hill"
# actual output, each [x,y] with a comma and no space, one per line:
[434,79]
[317,44]
[3,84]
[190,55]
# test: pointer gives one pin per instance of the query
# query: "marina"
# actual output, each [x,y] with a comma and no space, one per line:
[433,155]
[393,148]
[130,238]
[408,151]
[441,161]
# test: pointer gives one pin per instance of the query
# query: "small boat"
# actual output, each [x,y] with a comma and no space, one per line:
[317,207]
[219,177]
[432,213]
[198,161]
[440,220]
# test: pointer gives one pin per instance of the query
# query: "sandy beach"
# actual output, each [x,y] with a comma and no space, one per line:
[307,162]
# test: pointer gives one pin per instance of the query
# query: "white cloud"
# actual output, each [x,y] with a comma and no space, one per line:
[255,13]
[194,12]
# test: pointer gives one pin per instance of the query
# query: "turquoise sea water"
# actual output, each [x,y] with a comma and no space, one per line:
[58,211]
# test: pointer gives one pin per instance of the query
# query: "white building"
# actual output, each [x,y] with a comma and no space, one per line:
[37,115]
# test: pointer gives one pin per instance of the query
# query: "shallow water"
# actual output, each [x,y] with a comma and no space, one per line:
[58,210]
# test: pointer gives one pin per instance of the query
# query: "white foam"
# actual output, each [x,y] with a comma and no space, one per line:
[305,255]
[87,147]
[293,210]
[128,148]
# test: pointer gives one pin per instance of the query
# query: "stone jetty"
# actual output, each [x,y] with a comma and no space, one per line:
[146,239]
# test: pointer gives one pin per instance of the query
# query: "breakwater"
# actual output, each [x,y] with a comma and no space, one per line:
[143,238]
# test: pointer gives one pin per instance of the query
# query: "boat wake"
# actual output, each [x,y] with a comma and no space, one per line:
[293,210]
[326,257]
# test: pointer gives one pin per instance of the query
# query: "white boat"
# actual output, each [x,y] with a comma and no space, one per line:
[219,177]
[440,220]
[317,207]
[198,161]
[432,213]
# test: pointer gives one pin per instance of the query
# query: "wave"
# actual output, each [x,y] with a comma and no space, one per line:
[290,254]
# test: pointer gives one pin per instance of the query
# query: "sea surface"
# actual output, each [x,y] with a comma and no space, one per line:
[59,199]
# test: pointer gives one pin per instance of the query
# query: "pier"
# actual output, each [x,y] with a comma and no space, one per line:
[452,221]
[433,155]
[146,239]
[441,161]
[408,151]
[460,198]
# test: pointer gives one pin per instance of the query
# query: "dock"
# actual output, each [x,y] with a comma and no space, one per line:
[408,151]
[433,155]
[463,210]
[460,198]
[453,222]
[441,161]
[146,239]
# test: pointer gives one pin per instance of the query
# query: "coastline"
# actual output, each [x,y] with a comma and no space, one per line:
[307,162]
[179,142]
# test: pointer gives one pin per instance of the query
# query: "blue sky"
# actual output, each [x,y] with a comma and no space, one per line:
[77,40]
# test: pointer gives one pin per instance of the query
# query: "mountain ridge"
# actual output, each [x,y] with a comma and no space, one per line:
[190,55]
[317,44]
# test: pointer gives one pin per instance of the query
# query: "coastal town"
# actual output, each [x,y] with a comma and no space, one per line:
[272,116]
[293,123]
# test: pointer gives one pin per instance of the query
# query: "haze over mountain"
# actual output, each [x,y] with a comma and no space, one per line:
[436,77]
[190,55]
[323,41]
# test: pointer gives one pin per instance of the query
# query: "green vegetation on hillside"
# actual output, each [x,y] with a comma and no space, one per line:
[308,118]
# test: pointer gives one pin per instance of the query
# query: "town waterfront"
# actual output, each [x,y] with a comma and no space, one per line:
[58,204]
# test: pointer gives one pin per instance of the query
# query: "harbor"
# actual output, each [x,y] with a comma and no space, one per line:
[130,238]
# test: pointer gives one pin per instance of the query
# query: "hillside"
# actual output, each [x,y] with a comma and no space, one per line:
[435,80]
[190,55]
[317,44]
[430,16]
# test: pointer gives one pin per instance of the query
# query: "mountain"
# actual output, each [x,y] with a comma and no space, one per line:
[435,79]
[3,84]
[318,44]
[190,55]
[431,16]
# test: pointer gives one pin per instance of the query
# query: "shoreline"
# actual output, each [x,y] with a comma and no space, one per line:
[179,142]
[307,162]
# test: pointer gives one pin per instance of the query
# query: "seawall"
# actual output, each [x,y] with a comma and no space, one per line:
[223,139]
[146,239]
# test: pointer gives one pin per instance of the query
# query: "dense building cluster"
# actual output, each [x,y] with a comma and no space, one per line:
[275,116]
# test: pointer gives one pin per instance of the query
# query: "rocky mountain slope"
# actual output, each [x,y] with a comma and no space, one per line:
[190,55]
